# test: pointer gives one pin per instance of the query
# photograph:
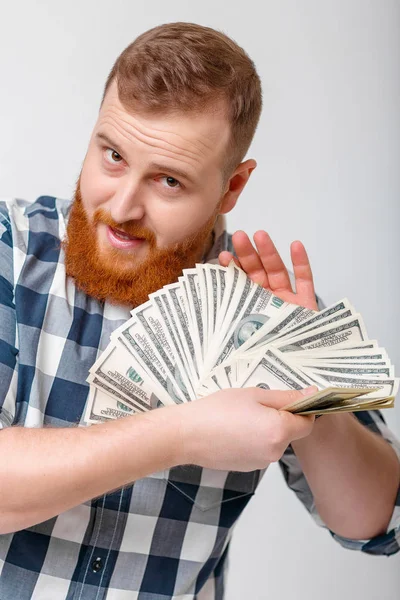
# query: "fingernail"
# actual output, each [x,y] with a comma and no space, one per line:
[308,391]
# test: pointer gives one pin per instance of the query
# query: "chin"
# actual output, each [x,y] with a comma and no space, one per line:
[121,262]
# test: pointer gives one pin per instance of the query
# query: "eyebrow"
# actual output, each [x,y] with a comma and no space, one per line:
[104,137]
[154,165]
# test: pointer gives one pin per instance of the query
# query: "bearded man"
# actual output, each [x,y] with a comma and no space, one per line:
[143,507]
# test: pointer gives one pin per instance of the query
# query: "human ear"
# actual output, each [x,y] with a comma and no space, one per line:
[236,184]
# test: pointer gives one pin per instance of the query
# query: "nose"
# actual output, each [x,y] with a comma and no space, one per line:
[127,203]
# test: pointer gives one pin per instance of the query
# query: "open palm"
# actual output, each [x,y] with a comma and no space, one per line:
[264,266]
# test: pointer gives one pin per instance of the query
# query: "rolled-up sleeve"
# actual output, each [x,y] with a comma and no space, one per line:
[386,544]
[8,343]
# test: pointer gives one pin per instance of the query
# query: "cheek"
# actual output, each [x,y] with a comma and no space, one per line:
[96,188]
[175,224]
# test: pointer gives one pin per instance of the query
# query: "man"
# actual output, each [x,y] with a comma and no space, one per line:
[164,163]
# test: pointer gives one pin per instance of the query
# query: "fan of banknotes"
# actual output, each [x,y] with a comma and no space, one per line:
[216,329]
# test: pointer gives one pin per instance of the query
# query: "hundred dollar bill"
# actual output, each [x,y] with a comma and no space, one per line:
[365,356]
[213,292]
[296,315]
[242,296]
[365,345]
[347,355]
[335,319]
[382,388]
[357,364]
[222,277]
[214,276]
[162,301]
[135,338]
[242,367]
[260,334]
[121,372]
[351,329]
[334,362]
[250,330]
[368,371]
[290,313]
[216,329]
[352,407]
[248,318]
[189,341]
[318,318]
[205,389]
[102,407]
[234,284]
[269,376]
[195,301]
[325,398]
[158,337]
[280,359]
[205,307]
[220,378]
[106,385]
[114,398]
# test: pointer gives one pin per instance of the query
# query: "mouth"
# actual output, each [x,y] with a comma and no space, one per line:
[121,240]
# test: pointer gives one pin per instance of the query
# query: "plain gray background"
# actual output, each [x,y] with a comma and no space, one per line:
[328,152]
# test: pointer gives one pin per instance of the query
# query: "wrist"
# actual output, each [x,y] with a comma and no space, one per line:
[161,429]
[190,445]
[176,424]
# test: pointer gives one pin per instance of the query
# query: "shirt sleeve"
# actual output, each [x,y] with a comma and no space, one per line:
[386,544]
[8,349]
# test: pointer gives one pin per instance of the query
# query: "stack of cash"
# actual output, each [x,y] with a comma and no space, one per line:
[216,329]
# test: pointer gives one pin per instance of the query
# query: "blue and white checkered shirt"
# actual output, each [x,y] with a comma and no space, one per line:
[166,536]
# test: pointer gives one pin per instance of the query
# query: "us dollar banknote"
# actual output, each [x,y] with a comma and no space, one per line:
[215,329]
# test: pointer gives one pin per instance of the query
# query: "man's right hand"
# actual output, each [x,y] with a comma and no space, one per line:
[239,429]
[234,430]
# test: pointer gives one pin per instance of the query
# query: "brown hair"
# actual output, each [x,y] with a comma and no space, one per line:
[187,67]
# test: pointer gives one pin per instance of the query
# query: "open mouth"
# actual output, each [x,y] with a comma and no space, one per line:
[120,239]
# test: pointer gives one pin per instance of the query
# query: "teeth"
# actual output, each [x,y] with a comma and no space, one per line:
[122,235]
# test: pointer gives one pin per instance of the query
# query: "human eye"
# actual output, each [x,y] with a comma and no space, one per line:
[171,182]
[112,156]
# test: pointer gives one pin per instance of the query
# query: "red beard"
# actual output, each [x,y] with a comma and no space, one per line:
[109,275]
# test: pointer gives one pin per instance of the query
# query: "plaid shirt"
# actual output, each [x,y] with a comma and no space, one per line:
[166,536]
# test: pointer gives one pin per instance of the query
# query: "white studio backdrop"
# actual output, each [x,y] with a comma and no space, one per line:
[328,152]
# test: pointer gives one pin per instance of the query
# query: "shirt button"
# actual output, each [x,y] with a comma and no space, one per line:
[97,565]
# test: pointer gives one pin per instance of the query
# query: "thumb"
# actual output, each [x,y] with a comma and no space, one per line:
[279,398]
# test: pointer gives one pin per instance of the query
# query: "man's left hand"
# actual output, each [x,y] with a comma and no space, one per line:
[264,266]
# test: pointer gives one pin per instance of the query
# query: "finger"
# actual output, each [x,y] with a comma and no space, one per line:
[225,258]
[303,275]
[278,276]
[249,258]
[279,398]
[296,427]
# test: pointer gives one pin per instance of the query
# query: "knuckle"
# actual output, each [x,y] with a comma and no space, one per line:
[275,452]
[275,442]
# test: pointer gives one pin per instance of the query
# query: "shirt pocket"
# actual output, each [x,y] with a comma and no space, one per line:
[209,488]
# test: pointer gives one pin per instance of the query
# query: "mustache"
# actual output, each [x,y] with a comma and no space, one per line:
[132,228]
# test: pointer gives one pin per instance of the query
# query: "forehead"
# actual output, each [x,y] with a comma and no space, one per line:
[194,138]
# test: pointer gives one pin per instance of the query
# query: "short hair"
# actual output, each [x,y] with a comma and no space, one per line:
[185,67]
